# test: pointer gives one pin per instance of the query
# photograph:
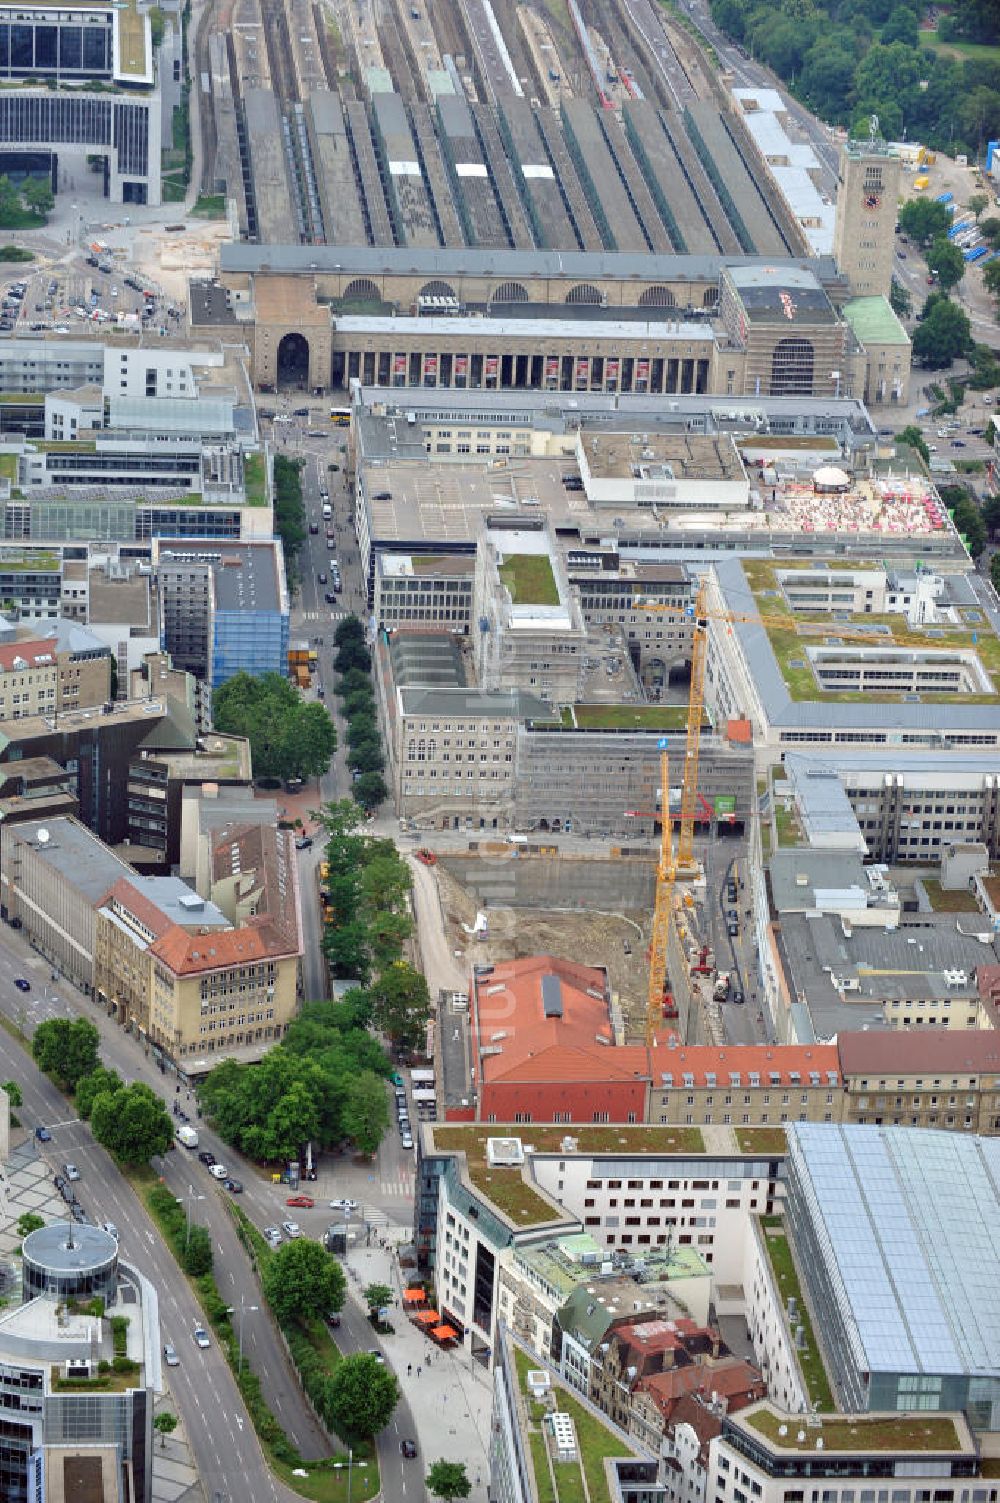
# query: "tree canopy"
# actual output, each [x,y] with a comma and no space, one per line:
[289,737]
[289,511]
[850,59]
[66,1049]
[91,1086]
[131,1123]
[448,1480]
[402,1004]
[301,1281]
[301,1091]
[362,1395]
[947,260]
[943,335]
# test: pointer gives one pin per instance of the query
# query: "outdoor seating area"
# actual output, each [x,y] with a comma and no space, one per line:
[430,1321]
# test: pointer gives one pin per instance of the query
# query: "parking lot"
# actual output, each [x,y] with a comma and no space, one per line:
[96,290]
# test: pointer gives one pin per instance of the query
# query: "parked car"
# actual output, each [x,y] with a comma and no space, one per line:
[301,1202]
[321,578]
[111,1229]
[291,1229]
[304,843]
[201,1337]
[406,1140]
[272,1235]
[373,1351]
[71,1172]
[78,1213]
[170,1356]
[426,857]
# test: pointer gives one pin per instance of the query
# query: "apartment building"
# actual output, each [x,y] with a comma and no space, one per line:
[58,666]
[944,1079]
[174,967]
[746,1085]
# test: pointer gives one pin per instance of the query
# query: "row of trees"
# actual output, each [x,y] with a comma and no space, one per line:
[353,663]
[324,1084]
[130,1121]
[849,59]
[289,510]
[27,206]
[289,737]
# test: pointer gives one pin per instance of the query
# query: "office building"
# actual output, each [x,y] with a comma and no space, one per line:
[45,671]
[67,1432]
[768,1452]
[48,54]
[223,610]
[897,1231]
[947,1079]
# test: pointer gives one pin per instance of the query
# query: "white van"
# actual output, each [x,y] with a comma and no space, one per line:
[327,511]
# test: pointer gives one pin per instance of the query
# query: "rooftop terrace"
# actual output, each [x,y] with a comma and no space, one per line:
[858,1432]
[569,1481]
[509,1188]
[791,643]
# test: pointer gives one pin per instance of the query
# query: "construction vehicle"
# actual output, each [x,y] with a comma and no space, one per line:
[705,964]
[668,867]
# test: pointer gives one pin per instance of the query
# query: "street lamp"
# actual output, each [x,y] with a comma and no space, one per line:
[189,1198]
[251,1309]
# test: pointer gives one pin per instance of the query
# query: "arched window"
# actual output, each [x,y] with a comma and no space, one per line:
[362,290]
[510,292]
[792,368]
[437,289]
[657,297]
[584,293]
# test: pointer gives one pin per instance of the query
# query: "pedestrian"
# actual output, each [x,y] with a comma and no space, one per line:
[409,1369]
[419,1370]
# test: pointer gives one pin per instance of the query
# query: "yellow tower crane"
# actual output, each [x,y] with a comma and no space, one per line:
[668,867]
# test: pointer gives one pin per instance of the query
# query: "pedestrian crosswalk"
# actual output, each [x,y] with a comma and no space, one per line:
[403,1186]
[324,615]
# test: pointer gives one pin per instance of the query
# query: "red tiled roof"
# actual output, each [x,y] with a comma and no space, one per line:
[509,1016]
[900,1051]
[575,1063]
[36,654]
[734,1380]
[189,954]
[145,911]
[701,1060]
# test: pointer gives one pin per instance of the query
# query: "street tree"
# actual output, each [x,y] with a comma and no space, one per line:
[370,790]
[401,1004]
[366,756]
[448,1480]
[354,678]
[131,1123]
[366,1113]
[289,738]
[991,514]
[978,203]
[943,336]
[914,439]
[995,571]
[91,1086]
[990,230]
[377,1297]
[302,1281]
[353,654]
[13,1092]
[362,727]
[358,702]
[164,1424]
[991,277]
[28,1223]
[900,300]
[65,1049]
[362,1395]
[947,260]
[196,1251]
[351,629]
[924,220]
[38,196]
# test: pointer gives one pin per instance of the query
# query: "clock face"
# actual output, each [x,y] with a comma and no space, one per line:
[872,199]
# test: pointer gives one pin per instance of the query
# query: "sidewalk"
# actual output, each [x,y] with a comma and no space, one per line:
[450,1395]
